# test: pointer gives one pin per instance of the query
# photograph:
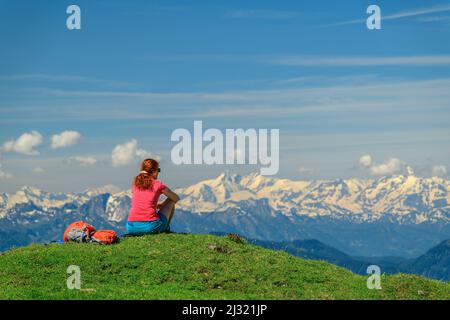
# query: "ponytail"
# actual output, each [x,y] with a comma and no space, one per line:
[144,180]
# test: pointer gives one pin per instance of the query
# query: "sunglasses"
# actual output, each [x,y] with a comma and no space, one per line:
[159,169]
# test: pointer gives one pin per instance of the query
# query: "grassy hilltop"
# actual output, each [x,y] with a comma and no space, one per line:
[177,266]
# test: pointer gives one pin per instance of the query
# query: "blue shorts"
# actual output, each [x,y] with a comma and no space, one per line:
[148,227]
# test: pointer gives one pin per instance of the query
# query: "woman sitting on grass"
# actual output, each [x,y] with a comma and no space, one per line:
[146,215]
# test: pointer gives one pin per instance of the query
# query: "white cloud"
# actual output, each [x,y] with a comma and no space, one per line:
[124,154]
[64,139]
[80,161]
[365,161]
[38,170]
[25,144]
[127,153]
[390,167]
[141,153]
[439,171]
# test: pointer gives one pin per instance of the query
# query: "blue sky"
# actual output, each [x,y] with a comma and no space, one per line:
[137,70]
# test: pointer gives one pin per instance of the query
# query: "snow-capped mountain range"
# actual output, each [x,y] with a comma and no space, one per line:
[406,199]
[338,211]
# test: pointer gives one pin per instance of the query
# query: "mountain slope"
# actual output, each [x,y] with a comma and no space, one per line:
[435,263]
[315,250]
[174,266]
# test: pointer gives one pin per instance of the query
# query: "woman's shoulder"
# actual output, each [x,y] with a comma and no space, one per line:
[159,184]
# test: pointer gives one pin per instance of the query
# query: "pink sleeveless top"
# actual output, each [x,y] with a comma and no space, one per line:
[143,202]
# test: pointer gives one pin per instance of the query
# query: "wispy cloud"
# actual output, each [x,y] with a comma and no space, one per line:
[4,175]
[80,161]
[433,19]
[342,95]
[314,61]
[263,14]
[38,170]
[63,78]
[305,170]
[364,61]
[400,14]
[439,171]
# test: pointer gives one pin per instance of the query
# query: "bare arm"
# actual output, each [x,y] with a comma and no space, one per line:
[171,195]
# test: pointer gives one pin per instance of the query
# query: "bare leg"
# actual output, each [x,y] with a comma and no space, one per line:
[172,212]
[167,209]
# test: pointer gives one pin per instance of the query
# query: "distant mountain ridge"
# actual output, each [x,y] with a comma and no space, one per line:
[435,263]
[406,199]
[398,215]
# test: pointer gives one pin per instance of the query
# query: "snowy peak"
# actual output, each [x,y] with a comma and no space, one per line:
[109,188]
[216,194]
[118,206]
[35,196]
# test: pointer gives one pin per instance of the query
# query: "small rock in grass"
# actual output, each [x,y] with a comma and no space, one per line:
[235,238]
[218,248]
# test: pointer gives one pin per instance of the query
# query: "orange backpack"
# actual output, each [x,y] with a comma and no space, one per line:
[79,231]
[104,237]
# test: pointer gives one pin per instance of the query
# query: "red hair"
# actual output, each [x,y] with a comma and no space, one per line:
[143,181]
